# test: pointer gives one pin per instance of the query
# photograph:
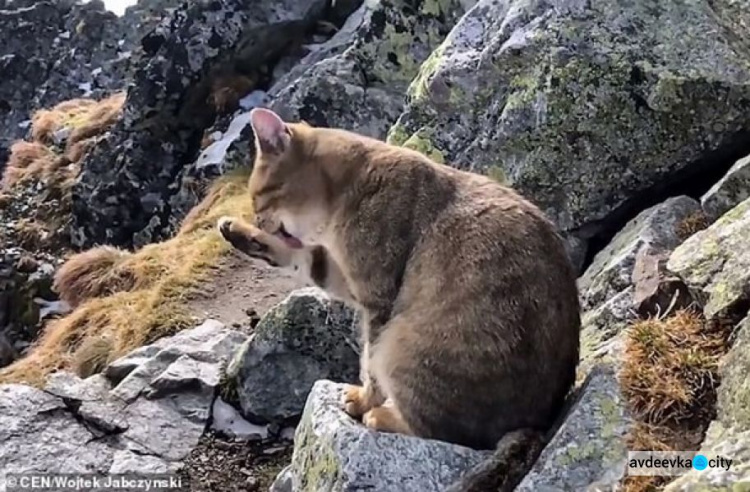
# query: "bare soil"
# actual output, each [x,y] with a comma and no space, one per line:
[242,291]
[219,464]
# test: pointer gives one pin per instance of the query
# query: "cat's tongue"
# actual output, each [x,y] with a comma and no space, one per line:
[290,240]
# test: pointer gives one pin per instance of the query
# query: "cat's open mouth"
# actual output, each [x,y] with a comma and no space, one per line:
[290,240]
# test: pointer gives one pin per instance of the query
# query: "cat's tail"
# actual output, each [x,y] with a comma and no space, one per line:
[514,456]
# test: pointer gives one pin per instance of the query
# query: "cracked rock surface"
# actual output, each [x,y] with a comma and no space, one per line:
[145,413]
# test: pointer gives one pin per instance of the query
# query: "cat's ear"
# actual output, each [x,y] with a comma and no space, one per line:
[271,133]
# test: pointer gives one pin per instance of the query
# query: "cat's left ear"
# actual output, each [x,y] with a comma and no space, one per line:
[271,133]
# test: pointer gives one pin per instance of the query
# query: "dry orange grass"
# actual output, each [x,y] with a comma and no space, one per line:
[46,122]
[671,366]
[125,300]
[97,272]
[27,159]
[83,117]
[670,376]
[691,224]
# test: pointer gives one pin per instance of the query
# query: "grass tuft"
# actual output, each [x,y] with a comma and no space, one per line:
[28,159]
[80,118]
[671,365]
[669,377]
[691,224]
[126,300]
[97,272]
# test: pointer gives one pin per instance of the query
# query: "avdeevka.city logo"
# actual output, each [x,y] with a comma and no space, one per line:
[663,463]
[700,462]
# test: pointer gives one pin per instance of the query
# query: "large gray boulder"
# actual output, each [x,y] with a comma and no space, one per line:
[123,193]
[306,337]
[358,79]
[715,264]
[334,452]
[144,414]
[587,108]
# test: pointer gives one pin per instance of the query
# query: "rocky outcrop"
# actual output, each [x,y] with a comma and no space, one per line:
[122,196]
[305,338]
[615,285]
[657,230]
[333,452]
[52,51]
[358,79]
[589,109]
[730,191]
[145,413]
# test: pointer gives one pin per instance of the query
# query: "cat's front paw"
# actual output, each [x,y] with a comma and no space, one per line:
[246,238]
[355,401]
[224,225]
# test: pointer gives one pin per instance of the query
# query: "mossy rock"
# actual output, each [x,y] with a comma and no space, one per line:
[564,97]
[334,452]
[715,265]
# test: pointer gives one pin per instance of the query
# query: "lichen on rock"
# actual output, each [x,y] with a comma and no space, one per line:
[308,336]
[715,264]
[564,97]
[334,452]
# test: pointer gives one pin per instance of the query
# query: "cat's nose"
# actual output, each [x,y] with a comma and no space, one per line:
[262,222]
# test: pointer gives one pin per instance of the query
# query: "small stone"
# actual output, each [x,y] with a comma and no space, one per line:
[306,337]
[656,292]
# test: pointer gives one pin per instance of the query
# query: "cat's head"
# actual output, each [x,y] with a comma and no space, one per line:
[289,188]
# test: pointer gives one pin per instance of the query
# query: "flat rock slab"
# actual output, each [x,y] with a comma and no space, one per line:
[334,452]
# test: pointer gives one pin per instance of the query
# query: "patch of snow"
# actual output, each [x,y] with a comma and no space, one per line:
[96,71]
[85,87]
[121,42]
[215,136]
[24,124]
[253,100]
[118,6]
[214,154]
[123,55]
[65,35]
[228,421]
[287,433]
[50,308]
